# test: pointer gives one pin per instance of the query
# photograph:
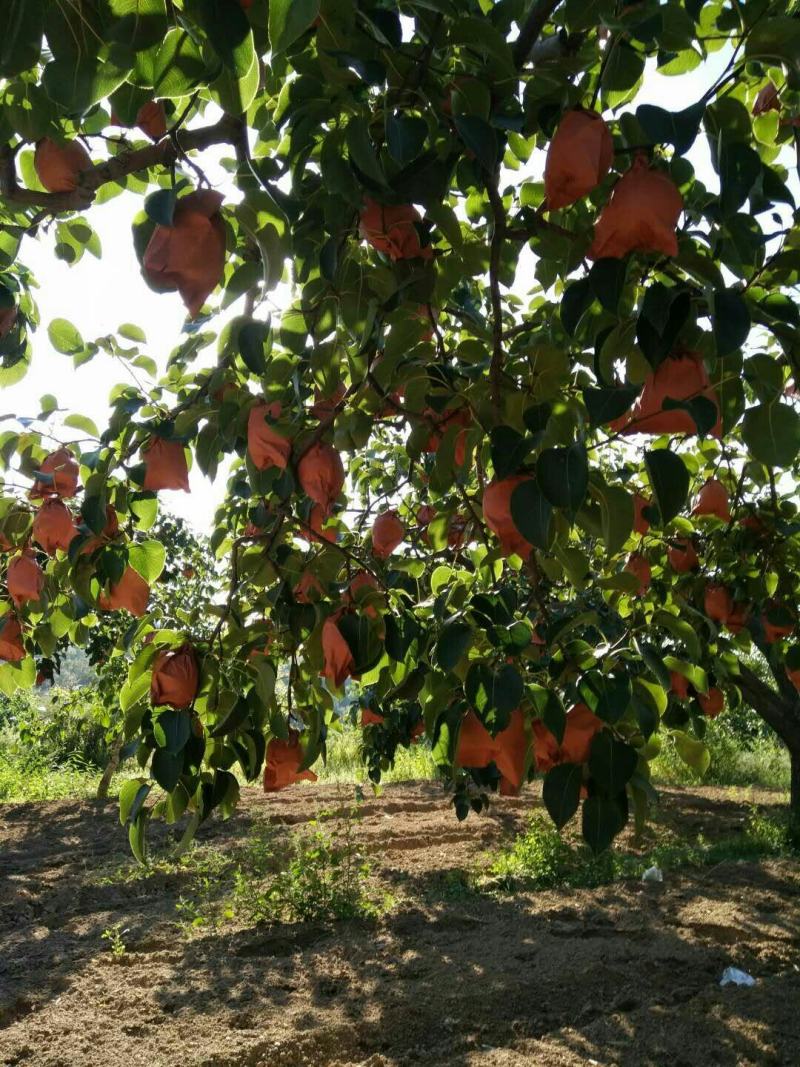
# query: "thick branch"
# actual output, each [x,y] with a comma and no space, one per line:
[163,153]
[782,715]
[533,25]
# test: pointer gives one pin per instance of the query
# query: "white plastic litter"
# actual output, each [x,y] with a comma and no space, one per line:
[653,874]
[733,976]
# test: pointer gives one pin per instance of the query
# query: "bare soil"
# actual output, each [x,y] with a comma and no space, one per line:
[623,975]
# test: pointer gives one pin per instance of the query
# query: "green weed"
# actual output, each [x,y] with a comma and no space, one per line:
[543,858]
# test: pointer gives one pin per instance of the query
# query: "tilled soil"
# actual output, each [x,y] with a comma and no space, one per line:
[623,975]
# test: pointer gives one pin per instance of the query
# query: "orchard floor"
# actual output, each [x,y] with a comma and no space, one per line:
[623,975]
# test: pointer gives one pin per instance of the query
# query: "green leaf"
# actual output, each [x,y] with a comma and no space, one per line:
[563,476]
[494,695]
[772,434]
[611,763]
[134,691]
[20,35]
[132,333]
[608,695]
[670,481]
[132,795]
[731,321]
[405,137]
[288,20]
[82,422]
[532,514]
[739,167]
[576,299]
[455,639]
[624,68]
[179,66]
[78,85]
[561,792]
[137,836]
[166,768]
[696,675]
[603,818]
[694,753]
[172,730]
[479,137]
[254,341]
[228,30]
[147,559]
[64,337]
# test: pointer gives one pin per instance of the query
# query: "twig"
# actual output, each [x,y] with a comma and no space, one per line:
[531,28]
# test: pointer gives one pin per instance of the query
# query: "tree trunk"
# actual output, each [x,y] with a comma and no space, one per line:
[111,769]
[781,711]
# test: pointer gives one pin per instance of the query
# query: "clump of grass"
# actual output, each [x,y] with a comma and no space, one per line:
[543,858]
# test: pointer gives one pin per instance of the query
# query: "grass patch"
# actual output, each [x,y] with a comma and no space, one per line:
[22,780]
[762,762]
[542,858]
[344,761]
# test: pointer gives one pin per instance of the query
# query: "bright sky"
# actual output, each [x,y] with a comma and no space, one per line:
[100,295]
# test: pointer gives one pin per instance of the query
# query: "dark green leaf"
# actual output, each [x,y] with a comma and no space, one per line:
[253,344]
[739,167]
[563,476]
[405,137]
[731,321]
[479,137]
[532,513]
[603,818]
[605,405]
[607,279]
[561,792]
[166,768]
[670,481]
[577,297]
[509,450]
[677,128]
[772,433]
[611,762]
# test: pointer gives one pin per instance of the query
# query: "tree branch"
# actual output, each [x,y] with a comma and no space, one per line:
[531,28]
[163,153]
[495,251]
[781,715]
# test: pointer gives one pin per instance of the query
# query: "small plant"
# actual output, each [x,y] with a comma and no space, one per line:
[114,936]
[317,873]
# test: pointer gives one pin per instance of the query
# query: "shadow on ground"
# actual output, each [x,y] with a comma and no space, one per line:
[625,975]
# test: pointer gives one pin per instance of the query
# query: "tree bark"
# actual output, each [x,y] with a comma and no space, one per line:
[111,768]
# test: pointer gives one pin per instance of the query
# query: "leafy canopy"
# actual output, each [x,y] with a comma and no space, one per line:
[537,398]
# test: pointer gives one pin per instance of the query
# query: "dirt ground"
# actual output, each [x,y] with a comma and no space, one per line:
[623,975]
